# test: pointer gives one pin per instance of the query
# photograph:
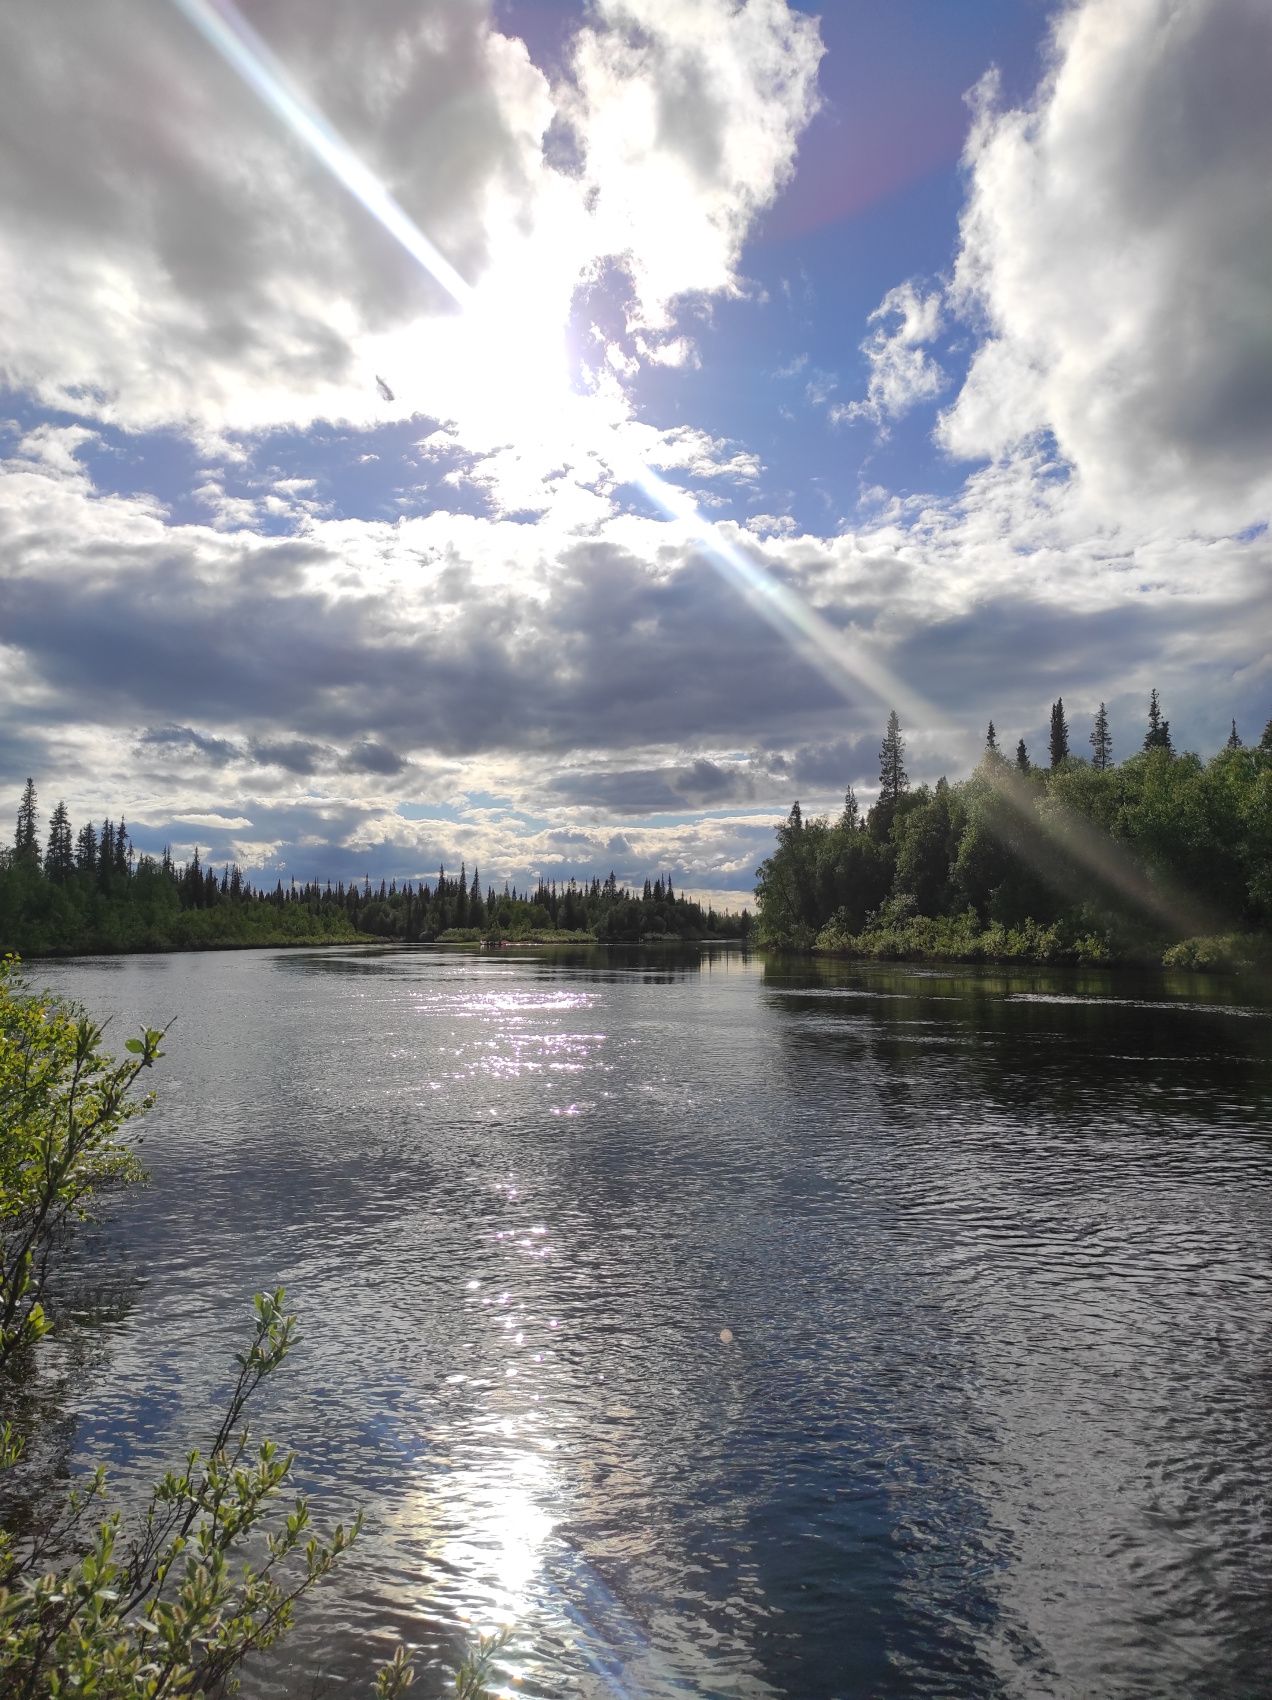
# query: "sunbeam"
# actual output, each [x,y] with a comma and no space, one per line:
[530,379]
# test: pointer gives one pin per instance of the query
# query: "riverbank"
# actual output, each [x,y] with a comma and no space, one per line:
[958,939]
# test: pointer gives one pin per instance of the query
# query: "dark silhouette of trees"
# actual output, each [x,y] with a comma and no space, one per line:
[1059,740]
[26,841]
[1101,741]
[110,899]
[1158,735]
[1071,866]
[991,739]
[59,855]
[1234,741]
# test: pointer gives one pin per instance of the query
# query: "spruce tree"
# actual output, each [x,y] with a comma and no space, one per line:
[1158,735]
[893,779]
[1234,740]
[1059,733]
[1265,742]
[86,849]
[1101,741]
[59,857]
[26,843]
[991,740]
[1022,757]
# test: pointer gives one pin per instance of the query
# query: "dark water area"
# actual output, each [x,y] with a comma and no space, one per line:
[991,1254]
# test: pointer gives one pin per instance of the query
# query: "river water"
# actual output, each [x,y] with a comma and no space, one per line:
[734,1328]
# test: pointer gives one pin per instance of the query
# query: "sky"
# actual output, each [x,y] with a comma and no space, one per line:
[552,436]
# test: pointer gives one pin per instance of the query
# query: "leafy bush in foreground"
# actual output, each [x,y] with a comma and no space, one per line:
[170,1605]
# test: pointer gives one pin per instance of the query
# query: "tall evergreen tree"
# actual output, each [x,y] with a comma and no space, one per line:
[1059,741]
[26,841]
[991,740]
[1234,740]
[851,817]
[59,857]
[86,849]
[1101,741]
[1022,757]
[1265,742]
[1158,735]
[893,779]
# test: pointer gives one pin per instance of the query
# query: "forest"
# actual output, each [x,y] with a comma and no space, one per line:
[1162,857]
[90,891]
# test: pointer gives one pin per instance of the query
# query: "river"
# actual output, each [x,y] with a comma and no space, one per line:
[735,1328]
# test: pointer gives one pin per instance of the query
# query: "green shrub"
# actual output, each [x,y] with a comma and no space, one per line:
[168,1606]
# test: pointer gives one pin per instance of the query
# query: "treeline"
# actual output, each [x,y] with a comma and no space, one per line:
[1163,856]
[92,891]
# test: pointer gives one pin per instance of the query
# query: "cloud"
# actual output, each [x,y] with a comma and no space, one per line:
[1114,247]
[902,372]
[688,119]
[198,268]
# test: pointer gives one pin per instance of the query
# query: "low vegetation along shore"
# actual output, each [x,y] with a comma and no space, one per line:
[1162,858]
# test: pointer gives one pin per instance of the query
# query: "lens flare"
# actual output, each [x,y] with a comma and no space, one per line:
[845,663]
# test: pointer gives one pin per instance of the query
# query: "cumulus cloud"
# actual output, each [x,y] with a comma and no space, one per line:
[688,118]
[199,268]
[1114,246]
[902,372]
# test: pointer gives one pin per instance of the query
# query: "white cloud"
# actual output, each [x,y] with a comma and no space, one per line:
[902,372]
[688,118]
[1115,245]
[198,268]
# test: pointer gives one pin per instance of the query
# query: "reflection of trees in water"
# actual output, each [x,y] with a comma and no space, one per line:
[1049,1221]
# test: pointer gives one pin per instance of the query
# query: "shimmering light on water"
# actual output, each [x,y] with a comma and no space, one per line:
[732,1330]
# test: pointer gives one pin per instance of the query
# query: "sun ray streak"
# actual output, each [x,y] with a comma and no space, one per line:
[224,28]
[846,663]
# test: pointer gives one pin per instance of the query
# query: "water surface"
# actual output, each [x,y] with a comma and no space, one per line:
[991,1254]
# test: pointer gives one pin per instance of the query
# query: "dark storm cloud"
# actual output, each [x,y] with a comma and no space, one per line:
[614,656]
[369,757]
[657,790]
[185,741]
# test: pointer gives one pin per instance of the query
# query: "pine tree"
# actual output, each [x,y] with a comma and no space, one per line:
[1022,757]
[59,857]
[1234,740]
[1059,733]
[26,843]
[893,779]
[1101,741]
[1158,735]
[849,820]
[1265,742]
[991,740]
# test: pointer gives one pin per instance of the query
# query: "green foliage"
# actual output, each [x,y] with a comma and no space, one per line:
[1079,862]
[170,1607]
[1224,953]
[168,1603]
[64,1114]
